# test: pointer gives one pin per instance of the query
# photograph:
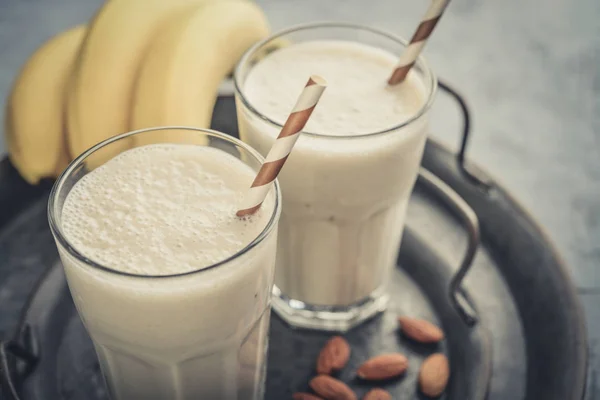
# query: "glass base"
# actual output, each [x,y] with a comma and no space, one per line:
[329,318]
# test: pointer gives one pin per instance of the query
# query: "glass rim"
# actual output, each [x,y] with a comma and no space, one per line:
[429,76]
[64,242]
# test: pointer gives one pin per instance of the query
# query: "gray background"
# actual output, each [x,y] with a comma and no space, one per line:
[530,70]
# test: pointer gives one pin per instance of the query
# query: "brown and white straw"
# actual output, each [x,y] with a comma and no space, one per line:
[418,41]
[283,145]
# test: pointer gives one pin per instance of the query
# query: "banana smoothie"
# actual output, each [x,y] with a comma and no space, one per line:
[347,183]
[172,287]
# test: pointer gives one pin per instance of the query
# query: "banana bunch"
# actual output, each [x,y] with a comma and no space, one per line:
[138,64]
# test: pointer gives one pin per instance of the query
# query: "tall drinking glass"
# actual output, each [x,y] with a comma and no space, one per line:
[199,334]
[345,193]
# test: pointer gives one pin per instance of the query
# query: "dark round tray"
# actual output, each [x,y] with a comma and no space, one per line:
[516,331]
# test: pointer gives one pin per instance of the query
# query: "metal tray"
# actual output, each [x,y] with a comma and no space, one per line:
[514,327]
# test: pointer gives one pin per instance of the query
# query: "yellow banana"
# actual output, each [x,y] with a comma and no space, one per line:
[188,60]
[36,106]
[100,96]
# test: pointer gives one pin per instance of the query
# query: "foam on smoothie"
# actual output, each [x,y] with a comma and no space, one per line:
[358,99]
[162,209]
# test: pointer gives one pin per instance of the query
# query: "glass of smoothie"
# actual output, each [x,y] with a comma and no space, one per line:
[347,183]
[172,287]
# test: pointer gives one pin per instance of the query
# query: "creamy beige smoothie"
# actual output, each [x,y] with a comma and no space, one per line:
[175,300]
[347,183]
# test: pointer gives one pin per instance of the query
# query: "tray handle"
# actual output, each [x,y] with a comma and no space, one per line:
[18,358]
[470,171]
[459,299]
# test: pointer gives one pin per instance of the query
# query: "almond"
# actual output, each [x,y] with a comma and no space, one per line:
[420,330]
[383,367]
[305,396]
[434,375]
[331,389]
[377,394]
[334,356]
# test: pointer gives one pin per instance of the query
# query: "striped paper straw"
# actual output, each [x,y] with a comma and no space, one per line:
[283,145]
[408,58]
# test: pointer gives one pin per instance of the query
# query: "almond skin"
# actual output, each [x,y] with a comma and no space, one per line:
[334,356]
[331,389]
[377,394]
[420,330]
[385,366]
[434,375]
[305,396]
